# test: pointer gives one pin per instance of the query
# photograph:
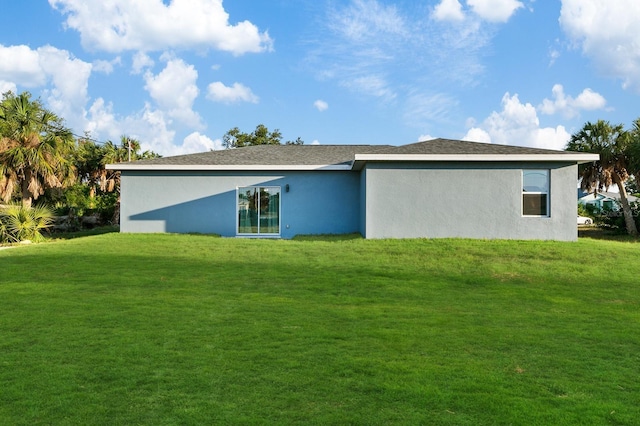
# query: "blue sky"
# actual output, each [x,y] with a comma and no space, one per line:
[178,74]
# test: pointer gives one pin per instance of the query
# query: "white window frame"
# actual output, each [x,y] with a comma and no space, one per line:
[547,193]
[258,234]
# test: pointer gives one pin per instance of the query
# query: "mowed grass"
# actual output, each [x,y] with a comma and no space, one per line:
[120,329]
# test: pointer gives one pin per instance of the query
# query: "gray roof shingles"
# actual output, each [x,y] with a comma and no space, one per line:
[303,155]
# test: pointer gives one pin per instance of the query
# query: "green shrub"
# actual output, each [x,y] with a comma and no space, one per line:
[18,223]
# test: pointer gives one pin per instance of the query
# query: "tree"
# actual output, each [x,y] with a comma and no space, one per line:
[613,144]
[128,150]
[634,154]
[34,149]
[234,138]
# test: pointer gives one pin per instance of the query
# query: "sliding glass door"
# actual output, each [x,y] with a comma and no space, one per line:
[259,210]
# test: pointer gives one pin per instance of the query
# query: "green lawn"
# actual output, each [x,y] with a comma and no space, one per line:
[120,329]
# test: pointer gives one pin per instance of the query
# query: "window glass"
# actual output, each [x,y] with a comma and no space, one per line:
[535,192]
[259,210]
[535,181]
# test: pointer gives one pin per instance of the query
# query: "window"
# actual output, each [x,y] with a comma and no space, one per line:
[535,192]
[259,210]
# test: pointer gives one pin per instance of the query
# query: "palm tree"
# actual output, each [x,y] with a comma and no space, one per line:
[34,148]
[612,143]
[634,150]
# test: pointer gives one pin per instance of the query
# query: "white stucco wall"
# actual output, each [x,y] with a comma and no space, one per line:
[467,200]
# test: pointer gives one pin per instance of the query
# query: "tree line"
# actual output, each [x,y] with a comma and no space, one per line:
[41,158]
[619,163]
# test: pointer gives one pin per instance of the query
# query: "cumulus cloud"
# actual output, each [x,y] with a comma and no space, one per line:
[606,32]
[106,66]
[423,138]
[476,134]
[321,105]
[150,126]
[175,90]
[448,10]
[21,65]
[196,142]
[48,67]
[218,92]
[148,25]
[495,10]
[570,107]
[518,124]
[141,61]
[7,86]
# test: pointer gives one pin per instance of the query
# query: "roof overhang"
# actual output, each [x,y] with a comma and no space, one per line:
[223,167]
[579,158]
[361,159]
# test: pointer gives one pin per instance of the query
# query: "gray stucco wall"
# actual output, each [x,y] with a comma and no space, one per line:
[318,202]
[467,200]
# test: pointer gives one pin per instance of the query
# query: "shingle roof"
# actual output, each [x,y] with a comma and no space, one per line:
[282,155]
[457,147]
[336,156]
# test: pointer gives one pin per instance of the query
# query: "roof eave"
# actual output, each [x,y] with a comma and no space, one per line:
[560,157]
[226,167]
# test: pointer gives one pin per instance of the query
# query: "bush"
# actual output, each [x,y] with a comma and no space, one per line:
[18,223]
[614,219]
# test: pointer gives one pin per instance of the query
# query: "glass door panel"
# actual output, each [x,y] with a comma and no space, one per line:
[259,210]
[269,211]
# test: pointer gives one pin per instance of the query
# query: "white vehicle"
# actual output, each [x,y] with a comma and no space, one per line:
[585,220]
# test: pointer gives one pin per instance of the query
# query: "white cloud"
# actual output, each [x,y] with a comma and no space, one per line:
[197,142]
[141,61]
[101,121]
[607,32]
[7,86]
[106,66]
[554,54]
[423,138]
[449,10]
[175,90]
[421,108]
[371,85]
[315,142]
[148,25]
[321,105]
[365,18]
[21,65]
[570,107]
[518,124]
[476,134]
[149,126]
[218,92]
[495,10]
[50,68]
[383,51]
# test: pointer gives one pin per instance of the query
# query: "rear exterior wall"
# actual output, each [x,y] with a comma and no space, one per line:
[318,202]
[464,200]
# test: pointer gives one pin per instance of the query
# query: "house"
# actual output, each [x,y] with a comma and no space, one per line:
[603,201]
[433,189]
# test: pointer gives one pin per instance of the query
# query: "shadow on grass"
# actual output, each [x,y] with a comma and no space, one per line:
[328,237]
[599,233]
[83,233]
